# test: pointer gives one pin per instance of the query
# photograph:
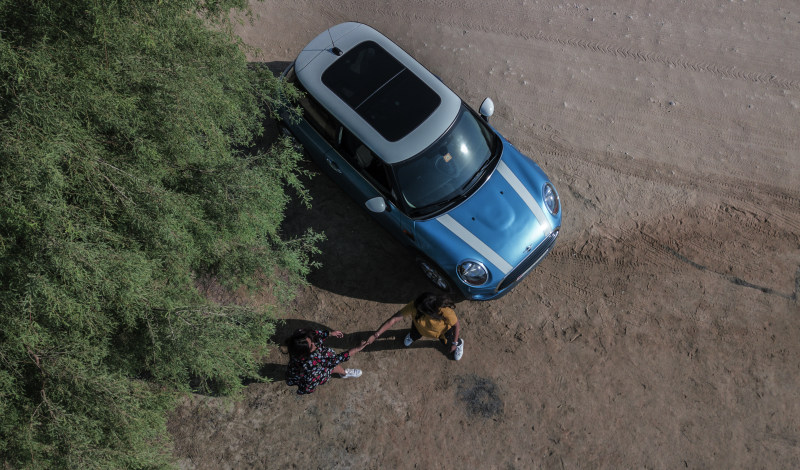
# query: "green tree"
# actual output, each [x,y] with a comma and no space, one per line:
[129,170]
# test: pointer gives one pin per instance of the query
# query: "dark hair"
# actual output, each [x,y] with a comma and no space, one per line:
[297,344]
[430,304]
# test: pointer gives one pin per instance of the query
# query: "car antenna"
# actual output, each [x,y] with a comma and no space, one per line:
[335,50]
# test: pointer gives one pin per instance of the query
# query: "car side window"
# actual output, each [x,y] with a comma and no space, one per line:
[367,163]
[319,118]
[349,146]
[313,112]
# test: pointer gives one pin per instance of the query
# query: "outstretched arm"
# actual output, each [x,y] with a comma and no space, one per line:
[386,325]
[356,349]
[351,351]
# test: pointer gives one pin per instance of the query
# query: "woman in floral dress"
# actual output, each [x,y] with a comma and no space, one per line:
[311,364]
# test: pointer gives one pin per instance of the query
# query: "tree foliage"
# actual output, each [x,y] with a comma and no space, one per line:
[128,169]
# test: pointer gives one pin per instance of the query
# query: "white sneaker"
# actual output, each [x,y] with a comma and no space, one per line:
[459,350]
[407,340]
[351,373]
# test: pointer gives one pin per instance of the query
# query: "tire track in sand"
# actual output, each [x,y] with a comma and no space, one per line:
[629,53]
[779,204]
[761,211]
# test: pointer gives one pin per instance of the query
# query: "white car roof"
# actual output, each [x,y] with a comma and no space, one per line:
[312,63]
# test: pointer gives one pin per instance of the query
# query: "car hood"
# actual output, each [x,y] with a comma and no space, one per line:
[500,224]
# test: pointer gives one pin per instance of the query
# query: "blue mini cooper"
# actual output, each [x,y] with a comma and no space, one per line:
[479,214]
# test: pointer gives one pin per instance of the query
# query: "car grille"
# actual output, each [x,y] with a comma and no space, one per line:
[530,262]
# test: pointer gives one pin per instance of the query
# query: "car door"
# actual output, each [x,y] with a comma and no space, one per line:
[350,165]
[368,177]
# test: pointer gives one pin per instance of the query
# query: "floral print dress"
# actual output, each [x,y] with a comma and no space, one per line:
[313,370]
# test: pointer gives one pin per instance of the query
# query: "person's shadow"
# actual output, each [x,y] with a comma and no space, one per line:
[389,341]
[392,340]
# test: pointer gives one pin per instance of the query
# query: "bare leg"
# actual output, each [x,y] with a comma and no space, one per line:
[338,370]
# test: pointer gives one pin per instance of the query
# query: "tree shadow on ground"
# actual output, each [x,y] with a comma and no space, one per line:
[359,258]
[276,66]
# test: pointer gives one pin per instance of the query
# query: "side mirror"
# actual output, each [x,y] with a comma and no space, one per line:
[487,108]
[376,204]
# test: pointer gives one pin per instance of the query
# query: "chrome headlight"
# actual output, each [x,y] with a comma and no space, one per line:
[550,197]
[473,273]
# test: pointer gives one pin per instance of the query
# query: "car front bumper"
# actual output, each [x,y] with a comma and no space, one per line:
[514,277]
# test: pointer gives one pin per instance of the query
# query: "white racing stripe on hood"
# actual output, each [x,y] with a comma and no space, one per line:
[523,192]
[474,242]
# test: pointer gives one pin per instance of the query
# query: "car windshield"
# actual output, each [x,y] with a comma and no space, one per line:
[450,168]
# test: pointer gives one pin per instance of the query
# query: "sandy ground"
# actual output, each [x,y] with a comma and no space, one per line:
[662,332]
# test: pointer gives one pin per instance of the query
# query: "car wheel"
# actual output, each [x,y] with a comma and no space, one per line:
[434,274]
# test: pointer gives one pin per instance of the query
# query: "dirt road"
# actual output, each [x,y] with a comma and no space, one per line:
[664,329]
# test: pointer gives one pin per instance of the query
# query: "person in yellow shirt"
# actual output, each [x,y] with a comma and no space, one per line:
[432,316]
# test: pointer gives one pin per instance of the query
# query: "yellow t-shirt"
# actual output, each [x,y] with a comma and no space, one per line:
[431,327]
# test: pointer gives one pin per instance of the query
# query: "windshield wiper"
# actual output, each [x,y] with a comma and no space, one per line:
[437,205]
[478,174]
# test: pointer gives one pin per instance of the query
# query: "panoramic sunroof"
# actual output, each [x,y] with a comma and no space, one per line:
[381,90]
